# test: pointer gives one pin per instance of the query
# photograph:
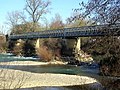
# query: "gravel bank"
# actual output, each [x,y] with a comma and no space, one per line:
[14,78]
[30,63]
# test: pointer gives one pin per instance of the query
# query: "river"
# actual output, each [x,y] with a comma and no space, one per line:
[107,83]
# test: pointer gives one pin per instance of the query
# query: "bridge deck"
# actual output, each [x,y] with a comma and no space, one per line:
[85,31]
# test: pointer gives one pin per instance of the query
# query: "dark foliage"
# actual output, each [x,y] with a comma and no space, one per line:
[104,49]
[29,48]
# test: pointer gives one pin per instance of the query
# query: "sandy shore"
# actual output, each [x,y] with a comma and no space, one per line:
[31,63]
[15,78]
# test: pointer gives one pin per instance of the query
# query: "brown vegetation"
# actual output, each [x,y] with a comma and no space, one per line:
[3,44]
[49,49]
[104,49]
[57,22]
[23,48]
[18,48]
[44,53]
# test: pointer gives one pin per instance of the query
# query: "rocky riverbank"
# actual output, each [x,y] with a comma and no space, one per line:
[23,79]
[11,78]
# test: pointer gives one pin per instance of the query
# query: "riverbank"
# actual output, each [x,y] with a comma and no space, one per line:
[26,79]
[22,63]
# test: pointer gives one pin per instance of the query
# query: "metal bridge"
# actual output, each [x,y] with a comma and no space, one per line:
[85,31]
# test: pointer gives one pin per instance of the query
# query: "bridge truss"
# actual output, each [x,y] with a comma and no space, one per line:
[85,31]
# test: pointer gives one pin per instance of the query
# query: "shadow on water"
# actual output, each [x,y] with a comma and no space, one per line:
[77,87]
[58,69]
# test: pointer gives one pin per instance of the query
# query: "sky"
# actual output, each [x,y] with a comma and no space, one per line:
[63,7]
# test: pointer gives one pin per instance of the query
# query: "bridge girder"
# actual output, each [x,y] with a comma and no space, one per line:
[85,31]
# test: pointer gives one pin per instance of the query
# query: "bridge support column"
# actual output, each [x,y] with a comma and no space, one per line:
[78,49]
[78,44]
[37,44]
[73,47]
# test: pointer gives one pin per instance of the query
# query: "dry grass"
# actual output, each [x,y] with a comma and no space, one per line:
[44,53]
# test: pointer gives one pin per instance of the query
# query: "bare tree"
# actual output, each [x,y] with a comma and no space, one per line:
[105,48]
[75,21]
[46,24]
[36,9]
[100,11]
[15,18]
[57,22]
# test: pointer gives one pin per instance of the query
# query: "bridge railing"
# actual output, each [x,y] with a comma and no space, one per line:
[98,30]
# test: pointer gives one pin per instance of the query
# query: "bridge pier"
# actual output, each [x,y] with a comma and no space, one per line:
[73,47]
[37,44]
[78,44]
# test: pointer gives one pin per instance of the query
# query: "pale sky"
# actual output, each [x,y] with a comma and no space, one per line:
[63,7]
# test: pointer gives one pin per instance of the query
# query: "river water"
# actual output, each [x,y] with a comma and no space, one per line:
[106,83]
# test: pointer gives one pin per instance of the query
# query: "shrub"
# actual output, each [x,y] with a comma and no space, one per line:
[3,47]
[3,44]
[18,48]
[49,49]
[44,53]
[29,48]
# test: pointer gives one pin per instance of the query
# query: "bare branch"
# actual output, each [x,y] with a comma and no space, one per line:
[36,8]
